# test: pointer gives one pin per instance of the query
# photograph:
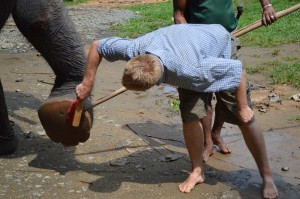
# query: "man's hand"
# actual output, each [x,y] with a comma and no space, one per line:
[83,90]
[246,114]
[268,15]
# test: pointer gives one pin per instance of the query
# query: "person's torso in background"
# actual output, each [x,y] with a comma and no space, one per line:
[211,12]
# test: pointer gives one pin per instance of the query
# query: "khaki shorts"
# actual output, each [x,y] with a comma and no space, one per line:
[193,105]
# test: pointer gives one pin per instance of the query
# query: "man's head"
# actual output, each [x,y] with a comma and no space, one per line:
[142,72]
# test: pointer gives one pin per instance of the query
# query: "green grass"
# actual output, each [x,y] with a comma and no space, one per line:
[280,72]
[295,118]
[283,73]
[174,105]
[152,17]
[74,2]
[255,69]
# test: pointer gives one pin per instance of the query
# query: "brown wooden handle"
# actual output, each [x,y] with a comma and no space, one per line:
[77,114]
[111,95]
[258,24]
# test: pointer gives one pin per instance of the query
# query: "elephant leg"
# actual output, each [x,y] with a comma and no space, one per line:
[8,140]
[5,10]
[48,27]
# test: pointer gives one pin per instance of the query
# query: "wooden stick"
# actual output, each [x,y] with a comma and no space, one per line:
[107,97]
[258,24]
[78,113]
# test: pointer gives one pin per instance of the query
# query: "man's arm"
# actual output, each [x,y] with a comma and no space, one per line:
[178,11]
[83,90]
[268,14]
[245,112]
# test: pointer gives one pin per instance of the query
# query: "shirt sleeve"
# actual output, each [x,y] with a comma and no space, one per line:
[116,48]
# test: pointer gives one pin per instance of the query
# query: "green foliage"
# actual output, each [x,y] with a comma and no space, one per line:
[275,52]
[174,105]
[290,58]
[295,118]
[281,73]
[74,2]
[158,102]
[254,69]
[286,73]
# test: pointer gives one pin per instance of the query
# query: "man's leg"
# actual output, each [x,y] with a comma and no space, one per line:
[255,142]
[208,141]
[192,109]
[212,136]
[193,136]
[227,111]
[216,134]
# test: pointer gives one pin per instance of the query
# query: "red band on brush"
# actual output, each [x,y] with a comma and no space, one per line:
[71,111]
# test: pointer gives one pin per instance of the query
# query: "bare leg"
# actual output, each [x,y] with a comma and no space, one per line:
[255,142]
[193,135]
[208,143]
[216,135]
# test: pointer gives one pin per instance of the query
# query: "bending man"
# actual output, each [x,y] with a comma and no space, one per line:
[171,55]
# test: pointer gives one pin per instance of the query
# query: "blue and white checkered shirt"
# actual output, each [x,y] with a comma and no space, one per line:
[194,56]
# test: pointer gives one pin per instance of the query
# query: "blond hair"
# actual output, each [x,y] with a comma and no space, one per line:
[142,72]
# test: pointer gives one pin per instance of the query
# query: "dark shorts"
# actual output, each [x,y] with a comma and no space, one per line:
[193,105]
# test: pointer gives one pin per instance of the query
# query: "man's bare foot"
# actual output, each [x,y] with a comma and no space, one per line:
[208,151]
[217,140]
[269,188]
[188,185]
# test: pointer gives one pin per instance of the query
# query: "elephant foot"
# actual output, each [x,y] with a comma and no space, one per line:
[53,117]
[8,143]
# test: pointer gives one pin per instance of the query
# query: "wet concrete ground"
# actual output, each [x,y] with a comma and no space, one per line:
[136,148]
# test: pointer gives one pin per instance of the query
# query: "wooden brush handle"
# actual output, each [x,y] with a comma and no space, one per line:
[111,95]
[78,113]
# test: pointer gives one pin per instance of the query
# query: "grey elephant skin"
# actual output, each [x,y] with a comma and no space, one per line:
[48,27]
